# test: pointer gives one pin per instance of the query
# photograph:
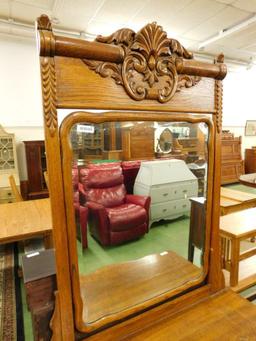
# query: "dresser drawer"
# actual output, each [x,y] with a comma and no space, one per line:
[169,208]
[6,194]
[168,192]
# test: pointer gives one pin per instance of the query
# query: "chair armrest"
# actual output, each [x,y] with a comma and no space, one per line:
[82,195]
[95,206]
[140,200]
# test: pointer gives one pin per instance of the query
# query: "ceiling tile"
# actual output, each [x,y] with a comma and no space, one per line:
[4,9]
[75,15]
[27,13]
[247,5]
[47,4]
[229,17]
[228,2]
[195,14]
[119,11]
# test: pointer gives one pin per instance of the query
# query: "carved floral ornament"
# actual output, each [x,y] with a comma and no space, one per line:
[148,70]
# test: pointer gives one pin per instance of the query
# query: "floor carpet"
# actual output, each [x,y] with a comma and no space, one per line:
[11,319]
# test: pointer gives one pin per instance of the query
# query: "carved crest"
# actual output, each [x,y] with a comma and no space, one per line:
[148,70]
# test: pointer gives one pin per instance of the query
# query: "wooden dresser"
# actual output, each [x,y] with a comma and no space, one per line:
[250,160]
[232,165]
[36,165]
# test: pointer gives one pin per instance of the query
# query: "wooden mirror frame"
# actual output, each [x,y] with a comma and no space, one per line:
[67,161]
[78,74]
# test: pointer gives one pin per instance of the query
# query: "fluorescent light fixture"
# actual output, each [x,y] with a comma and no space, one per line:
[226,32]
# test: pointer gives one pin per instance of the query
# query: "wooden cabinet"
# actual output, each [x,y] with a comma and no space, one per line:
[250,160]
[36,166]
[8,165]
[232,165]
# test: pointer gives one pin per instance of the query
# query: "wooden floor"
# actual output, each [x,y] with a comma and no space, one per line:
[117,287]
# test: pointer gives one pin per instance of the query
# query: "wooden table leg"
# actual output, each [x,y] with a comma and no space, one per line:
[48,241]
[234,268]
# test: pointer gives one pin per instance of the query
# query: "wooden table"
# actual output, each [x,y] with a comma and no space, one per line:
[234,228]
[248,179]
[233,201]
[25,220]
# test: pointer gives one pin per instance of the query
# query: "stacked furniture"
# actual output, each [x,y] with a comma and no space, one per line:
[8,166]
[170,184]
[232,165]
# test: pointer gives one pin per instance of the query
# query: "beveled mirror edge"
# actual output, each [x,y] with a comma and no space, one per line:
[83,116]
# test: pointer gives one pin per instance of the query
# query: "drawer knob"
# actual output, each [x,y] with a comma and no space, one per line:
[164,209]
[184,205]
[165,194]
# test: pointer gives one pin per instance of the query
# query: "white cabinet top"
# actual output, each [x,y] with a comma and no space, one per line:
[163,172]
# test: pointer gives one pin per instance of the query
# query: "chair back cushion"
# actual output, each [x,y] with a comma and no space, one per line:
[104,185]
[108,197]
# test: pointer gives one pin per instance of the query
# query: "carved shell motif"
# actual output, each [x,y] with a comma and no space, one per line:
[148,70]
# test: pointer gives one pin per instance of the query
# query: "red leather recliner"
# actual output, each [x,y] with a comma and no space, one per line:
[114,216]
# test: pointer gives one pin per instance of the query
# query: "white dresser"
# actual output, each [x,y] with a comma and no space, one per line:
[170,184]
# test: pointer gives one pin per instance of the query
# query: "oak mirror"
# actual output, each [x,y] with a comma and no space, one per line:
[136,217]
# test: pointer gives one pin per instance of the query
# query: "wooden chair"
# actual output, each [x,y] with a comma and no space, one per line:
[46,179]
[16,193]
[131,76]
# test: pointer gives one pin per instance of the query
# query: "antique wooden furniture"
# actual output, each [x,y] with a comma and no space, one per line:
[40,283]
[232,165]
[197,226]
[232,200]
[248,179]
[138,142]
[8,166]
[25,220]
[134,77]
[234,228]
[250,160]
[36,166]
[170,184]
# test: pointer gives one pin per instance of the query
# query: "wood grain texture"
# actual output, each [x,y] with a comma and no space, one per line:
[24,220]
[232,201]
[84,89]
[215,318]
[69,83]
[143,280]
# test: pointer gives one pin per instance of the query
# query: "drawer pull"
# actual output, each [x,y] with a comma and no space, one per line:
[165,209]
[165,194]
[184,205]
[9,193]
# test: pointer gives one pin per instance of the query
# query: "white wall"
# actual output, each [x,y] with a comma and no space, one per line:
[20,93]
[239,103]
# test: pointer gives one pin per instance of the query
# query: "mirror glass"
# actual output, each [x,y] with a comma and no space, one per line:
[139,192]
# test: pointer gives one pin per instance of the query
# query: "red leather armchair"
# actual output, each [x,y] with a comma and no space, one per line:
[114,216]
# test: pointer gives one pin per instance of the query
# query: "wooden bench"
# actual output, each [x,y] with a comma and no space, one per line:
[234,228]
[232,200]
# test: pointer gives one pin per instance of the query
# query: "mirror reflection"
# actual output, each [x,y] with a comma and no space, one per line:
[140,199]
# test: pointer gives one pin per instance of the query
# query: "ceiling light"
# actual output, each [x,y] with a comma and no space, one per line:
[228,31]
